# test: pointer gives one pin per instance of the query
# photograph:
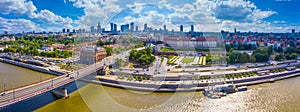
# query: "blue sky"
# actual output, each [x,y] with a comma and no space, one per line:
[206,15]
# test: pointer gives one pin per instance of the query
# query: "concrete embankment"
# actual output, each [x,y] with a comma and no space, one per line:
[32,67]
[166,86]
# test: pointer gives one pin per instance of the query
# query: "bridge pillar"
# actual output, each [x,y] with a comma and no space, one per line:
[60,93]
[104,71]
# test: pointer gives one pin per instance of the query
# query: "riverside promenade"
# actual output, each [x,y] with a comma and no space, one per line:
[195,85]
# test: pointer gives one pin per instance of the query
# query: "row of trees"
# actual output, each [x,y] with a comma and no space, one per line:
[143,57]
[240,47]
[29,45]
[263,55]
[259,55]
[289,53]
[101,43]
[57,54]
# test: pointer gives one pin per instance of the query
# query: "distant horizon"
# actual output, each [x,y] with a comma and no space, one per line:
[206,15]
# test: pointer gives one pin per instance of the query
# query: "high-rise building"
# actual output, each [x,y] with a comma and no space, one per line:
[68,30]
[293,30]
[64,30]
[192,28]
[115,28]
[136,28]
[98,28]
[165,27]
[145,27]
[125,28]
[74,31]
[92,29]
[131,27]
[234,30]
[111,27]
[181,28]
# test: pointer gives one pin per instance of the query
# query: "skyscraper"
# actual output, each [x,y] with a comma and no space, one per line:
[68,30]
[98,28]
[145,27]
[115,28]
[136,28]
[181,28]
[131,27]
[293,30]
[165,27]
[192,28]
[125,28]
[92,29]
[64,30]
[111,27]
[234,30]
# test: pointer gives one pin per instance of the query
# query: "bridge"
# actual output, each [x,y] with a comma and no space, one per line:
[26,92]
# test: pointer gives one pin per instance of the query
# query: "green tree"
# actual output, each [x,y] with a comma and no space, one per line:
[252,59]
[292,56]
[234,57]
[279,57]
[244,58]
[289,50]
[119,63]
[261,55]
[108,51]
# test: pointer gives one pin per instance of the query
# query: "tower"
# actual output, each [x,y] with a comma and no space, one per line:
[92,29]
[145,27]
[115,28]
[181,28]
[111,27]
[293,30]
[98,28]
[64,30]
[131,27]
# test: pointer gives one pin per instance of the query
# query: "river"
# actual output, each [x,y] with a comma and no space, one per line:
[283,96]
[14,76]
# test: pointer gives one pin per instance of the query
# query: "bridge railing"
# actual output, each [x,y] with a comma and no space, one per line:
[27,85]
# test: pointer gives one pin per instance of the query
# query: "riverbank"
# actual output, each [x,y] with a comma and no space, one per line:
[32,67]
[183,86]
[278,96]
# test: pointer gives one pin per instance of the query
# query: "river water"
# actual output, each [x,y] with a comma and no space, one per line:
[13,76]
[282,96]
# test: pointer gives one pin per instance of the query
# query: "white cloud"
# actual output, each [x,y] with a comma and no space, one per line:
[25,7]
[96,11]
[18,25]
[47,16]
[17,7]
[207,15]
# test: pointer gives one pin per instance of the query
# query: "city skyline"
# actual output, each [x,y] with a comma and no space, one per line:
[207,15]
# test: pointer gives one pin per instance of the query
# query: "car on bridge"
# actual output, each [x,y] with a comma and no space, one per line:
[3,94]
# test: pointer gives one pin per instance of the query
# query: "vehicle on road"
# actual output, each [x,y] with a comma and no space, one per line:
[3,94]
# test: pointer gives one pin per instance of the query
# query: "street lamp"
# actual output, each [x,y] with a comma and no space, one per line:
[52,83]
[13,90]
[41,78]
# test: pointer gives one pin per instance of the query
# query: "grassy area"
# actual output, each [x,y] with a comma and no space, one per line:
[188,59]
[167,49]
[172,59]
